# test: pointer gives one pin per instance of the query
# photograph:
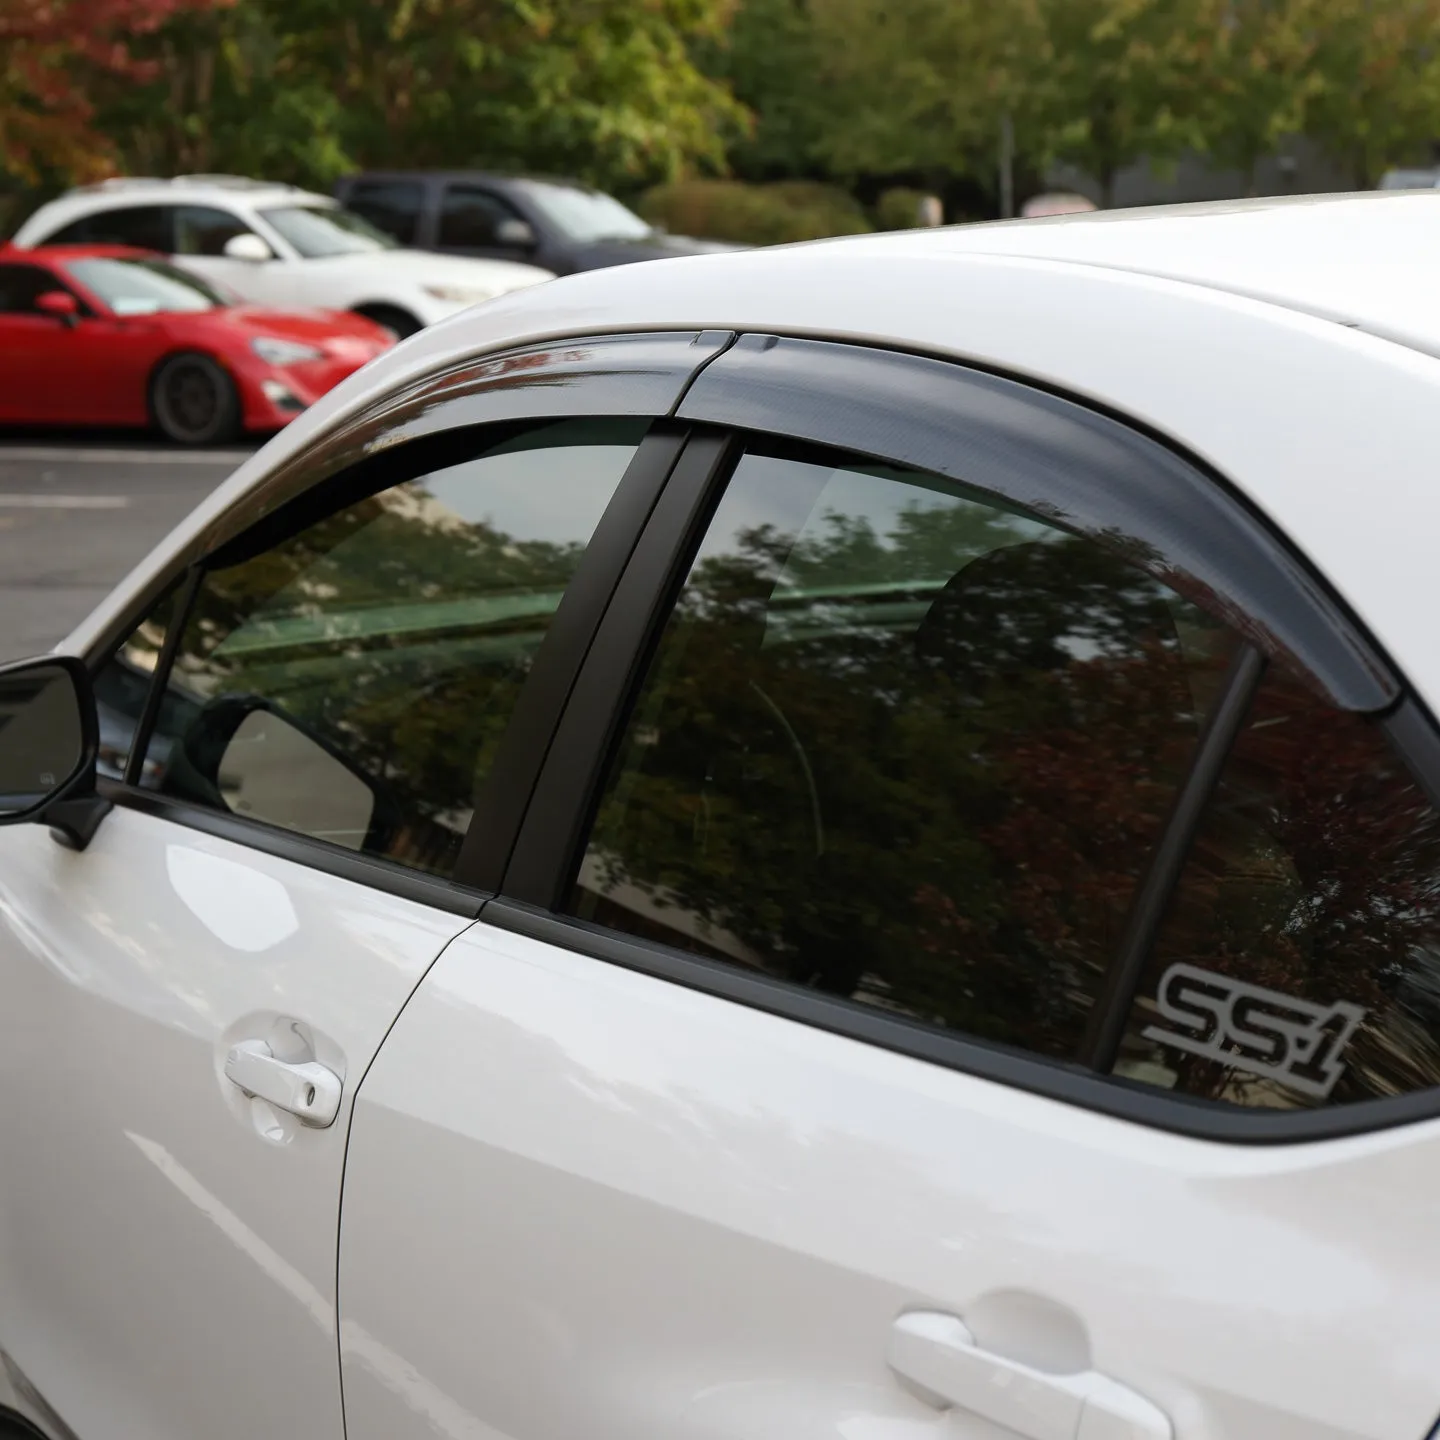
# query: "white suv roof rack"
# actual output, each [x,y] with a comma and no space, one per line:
[143,182]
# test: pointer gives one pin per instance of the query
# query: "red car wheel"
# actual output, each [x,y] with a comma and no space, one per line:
[193,401]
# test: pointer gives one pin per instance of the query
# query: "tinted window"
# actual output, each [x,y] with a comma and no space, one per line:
[1300,959]
[903,746]
[353,682]
[585,215]
[392,205]
[204,230]
[469,215]
[147,227]
[21,285]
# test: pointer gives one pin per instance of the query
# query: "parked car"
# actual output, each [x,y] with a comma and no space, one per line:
[560,224]
[1426,179]
[834,841]
[104,335]
[276,245]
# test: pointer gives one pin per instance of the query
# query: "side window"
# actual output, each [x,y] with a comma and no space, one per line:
[393,205]
[204,230]
[122,685]
[353,682]
[469,216]
[903,746]
[21,285]
[1299,963]
[148,227]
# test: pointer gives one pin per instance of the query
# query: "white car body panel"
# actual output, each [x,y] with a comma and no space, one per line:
[581,1200]
[383,277]
[1356,415]
[167,1271]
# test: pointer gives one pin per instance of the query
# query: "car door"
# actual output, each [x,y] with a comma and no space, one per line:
[201,233]
[470,221]
[395,206]
[37,351]
[966,971]
[332,677]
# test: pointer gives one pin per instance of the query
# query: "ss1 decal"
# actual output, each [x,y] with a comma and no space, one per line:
[1260,1031]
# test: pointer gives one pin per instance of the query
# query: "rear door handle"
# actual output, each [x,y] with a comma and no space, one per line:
[937,1353]
[308,1090]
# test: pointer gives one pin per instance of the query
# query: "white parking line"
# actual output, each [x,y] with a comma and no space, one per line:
[64,502]
[124,457]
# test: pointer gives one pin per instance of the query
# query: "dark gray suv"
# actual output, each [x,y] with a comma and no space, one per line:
[561,225]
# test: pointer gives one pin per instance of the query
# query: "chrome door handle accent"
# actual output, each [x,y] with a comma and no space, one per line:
[307,1090]
[938,1353]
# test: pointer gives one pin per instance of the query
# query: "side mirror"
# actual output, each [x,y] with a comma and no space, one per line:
[243,754]
[49,736]
[248,247]
[61,305]
[515,235]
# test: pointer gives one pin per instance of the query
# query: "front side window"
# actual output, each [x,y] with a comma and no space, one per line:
[905,747]
[353,682]
[315,231]
[22,285]
[469,216]
[205,230]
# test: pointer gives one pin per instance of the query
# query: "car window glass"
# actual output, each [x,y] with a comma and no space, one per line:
[391,205]
[147,227]
[204,230]
[1299,962]
[376,656]
[469,216]
[904,746]
[121,686]
[143,287]
[22,285]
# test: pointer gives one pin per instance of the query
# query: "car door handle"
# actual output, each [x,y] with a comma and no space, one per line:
[939,1354]
[308,1090]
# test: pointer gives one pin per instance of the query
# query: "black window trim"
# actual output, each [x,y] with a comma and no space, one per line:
[547,849]
[353,466]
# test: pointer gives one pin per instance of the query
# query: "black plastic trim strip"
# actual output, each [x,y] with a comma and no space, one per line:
[505,793]
[180,605]
[1062,461]
[542,863]
[320,855]
[1111,1009]
[1055,1080]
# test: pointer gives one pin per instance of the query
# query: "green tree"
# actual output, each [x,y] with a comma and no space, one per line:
[604,89]
[1378,95]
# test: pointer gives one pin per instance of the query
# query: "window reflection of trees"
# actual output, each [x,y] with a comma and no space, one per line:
[399,632]
[847,771]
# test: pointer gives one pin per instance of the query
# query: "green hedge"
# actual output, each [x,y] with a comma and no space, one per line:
[774,214]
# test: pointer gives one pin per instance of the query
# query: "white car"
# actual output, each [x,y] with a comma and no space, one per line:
[831,843]
[276,245]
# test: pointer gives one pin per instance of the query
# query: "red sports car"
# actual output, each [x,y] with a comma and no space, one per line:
[102,335]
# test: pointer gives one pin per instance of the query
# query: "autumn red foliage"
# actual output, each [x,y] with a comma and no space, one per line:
[53,56]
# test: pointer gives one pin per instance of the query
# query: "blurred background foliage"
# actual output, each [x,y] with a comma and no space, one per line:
[751,120]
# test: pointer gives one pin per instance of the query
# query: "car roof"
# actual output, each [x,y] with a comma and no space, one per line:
[77,252]
[1290,347]
[183,190]
[494,177]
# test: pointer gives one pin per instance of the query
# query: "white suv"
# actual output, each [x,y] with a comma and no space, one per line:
[276,245]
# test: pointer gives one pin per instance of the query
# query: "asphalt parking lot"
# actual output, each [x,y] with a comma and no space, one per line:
[75,516]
